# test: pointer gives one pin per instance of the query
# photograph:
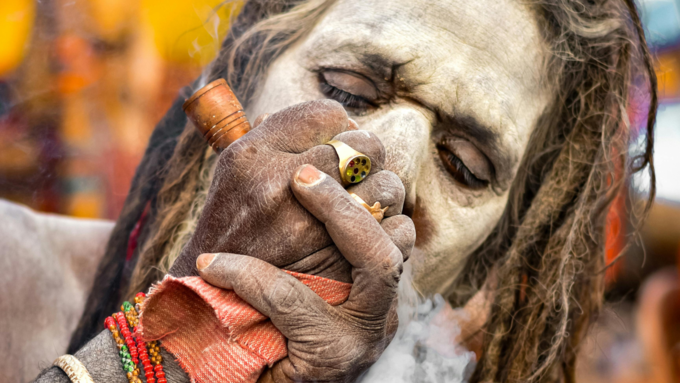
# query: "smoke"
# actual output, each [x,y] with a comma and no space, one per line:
[212,27]
[425,348]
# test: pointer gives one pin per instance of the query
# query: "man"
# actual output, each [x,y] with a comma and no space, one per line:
[501,122]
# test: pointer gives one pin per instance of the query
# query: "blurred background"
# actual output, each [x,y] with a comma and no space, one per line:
[83,82]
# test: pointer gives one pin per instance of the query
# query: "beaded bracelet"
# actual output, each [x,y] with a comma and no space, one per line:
[132,353]
[133,320]
[132,316]
[127,335]
[129,367]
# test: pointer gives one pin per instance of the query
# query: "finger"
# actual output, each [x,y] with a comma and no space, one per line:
[327,262]
[402,232]
[299,127]
[376,260]
[325,158]
[260,119]
[271,291]
[384,187]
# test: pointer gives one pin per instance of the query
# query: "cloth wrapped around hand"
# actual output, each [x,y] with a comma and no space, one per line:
[215,335]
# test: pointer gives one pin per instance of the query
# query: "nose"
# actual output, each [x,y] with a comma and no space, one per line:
[405,133]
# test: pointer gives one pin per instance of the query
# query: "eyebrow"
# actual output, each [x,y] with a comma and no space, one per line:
[486,138]
[377,63]
[477,131]
[380,66]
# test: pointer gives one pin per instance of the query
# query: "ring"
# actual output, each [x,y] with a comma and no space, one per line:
[354,166]
[376,211]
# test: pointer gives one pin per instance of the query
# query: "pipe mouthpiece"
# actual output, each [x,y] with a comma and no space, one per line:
[217,114]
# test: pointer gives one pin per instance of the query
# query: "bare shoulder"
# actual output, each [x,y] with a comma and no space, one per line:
[48,264]
[18,221]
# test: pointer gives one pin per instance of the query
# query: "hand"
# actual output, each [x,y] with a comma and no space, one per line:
[326,343]
[250,208]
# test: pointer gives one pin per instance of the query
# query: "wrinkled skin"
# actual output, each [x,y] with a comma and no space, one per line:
[326,343]
[432,68]
[266,177]
[434,78]
[251,210]
[454,109]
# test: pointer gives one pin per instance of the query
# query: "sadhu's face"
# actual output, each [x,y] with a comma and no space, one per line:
[453,88]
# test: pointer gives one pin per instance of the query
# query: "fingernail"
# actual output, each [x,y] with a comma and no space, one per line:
[308,175]
[352,125]
[204,260]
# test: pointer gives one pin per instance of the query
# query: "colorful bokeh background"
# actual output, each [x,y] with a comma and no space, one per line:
[83,82]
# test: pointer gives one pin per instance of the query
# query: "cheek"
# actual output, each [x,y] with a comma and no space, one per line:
[450,222]
[450,230]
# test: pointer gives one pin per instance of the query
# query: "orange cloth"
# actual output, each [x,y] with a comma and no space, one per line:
[214,334]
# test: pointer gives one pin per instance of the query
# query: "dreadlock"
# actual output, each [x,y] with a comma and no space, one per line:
[243,60]
[547,249]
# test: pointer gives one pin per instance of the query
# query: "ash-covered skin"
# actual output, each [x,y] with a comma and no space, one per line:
[47,263]
[463,73]
[438,77]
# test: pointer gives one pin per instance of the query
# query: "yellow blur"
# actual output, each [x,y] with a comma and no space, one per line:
[188,31]
[183,32]
[16,21]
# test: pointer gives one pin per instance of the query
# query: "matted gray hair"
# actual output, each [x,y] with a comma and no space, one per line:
[547,250]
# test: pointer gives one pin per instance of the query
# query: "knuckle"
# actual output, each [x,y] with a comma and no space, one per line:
[234,151]
[393,182]
[400,228]
[331,109]
[393,266]
[242,162]
[283,297]
[323,112]
[388,189]
[234,157]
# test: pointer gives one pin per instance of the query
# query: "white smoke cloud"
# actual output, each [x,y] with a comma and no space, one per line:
[424,349]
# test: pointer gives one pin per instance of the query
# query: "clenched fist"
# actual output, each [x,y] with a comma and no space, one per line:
[251,209]
[276,202]
[326,343]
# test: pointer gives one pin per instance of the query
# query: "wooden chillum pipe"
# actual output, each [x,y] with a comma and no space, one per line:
[217,114]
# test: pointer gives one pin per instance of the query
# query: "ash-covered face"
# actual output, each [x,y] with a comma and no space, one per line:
[453,88]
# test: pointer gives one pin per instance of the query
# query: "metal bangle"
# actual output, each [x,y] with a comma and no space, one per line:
[73,368]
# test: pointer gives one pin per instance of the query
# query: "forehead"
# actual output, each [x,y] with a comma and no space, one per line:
[476,58]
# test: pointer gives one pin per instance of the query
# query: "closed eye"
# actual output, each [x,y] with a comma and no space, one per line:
[348,100]
[459,171]
[355,92]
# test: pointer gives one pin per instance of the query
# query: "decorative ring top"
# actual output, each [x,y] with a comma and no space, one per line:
[354,166]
